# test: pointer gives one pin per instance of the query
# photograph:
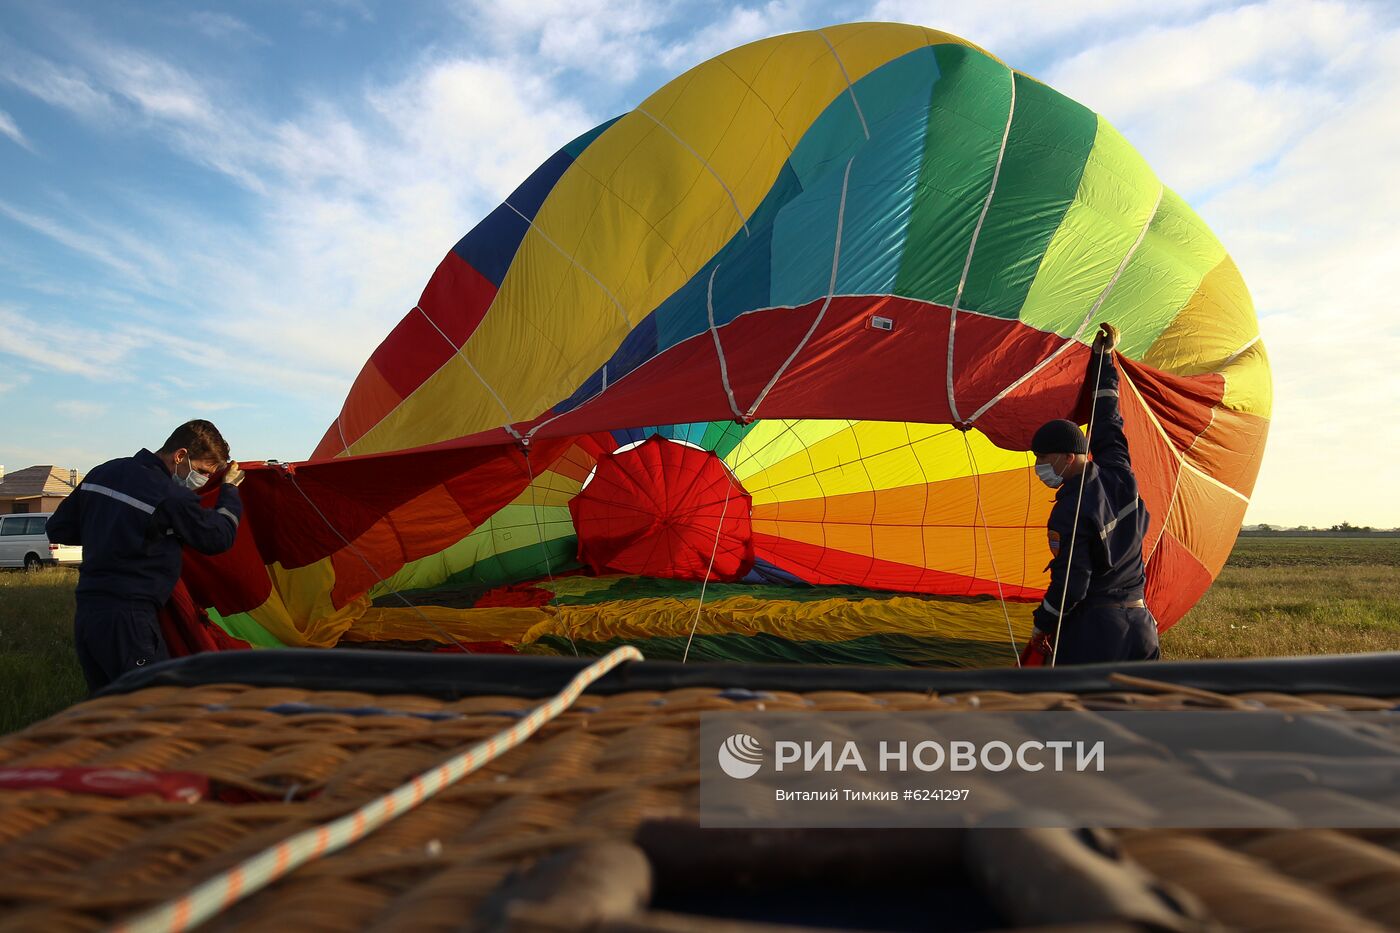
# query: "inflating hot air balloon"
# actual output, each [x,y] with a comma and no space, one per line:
[750,372]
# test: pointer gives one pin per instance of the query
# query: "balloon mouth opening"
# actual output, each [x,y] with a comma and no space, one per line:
[672,440]
[664,508]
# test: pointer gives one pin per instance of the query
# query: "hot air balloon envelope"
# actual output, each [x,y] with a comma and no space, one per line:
[856,267]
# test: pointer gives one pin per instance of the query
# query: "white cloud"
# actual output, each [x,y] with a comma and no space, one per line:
[201,406]
[12,380]
[741,25]
[65,87]
[10,129]
[612,39]
[358,209]
[1008,28]
[493,119]
[358,214]
[335,16]
[354,202]
[65,346]
[1316,237]
[116,255]
[81,410]
[157,88]
[120,89]
[1208,101]
[225,28]
[197,117]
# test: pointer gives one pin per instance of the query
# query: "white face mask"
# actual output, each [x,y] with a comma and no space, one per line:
[1047,475]
[193,479]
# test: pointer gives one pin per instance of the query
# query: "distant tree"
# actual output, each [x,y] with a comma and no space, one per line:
[1349,528]
[1266,527]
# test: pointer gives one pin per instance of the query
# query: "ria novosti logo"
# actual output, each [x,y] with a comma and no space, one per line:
[740,756]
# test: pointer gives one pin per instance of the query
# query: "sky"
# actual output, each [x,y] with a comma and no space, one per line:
[220,210]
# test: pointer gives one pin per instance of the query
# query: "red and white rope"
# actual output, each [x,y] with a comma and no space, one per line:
[223,891]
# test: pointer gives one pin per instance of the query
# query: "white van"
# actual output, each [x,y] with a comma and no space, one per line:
[24,544]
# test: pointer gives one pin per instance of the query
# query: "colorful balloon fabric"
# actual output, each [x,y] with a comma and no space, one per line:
[832,282]
[663,509]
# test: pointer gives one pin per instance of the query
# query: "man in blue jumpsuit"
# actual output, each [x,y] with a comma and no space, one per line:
[1094,605]
[132,516]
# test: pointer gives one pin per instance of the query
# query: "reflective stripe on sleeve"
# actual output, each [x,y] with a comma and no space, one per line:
[119,496]
[1124,513]
[229,515]
[1106,393]
[1045,604]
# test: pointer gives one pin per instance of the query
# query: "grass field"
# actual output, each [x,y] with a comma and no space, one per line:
[1290,596]
[39,673]
[1276,596]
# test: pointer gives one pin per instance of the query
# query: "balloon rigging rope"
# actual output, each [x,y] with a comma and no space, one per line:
[706,581]
[544,548]
[1074,529]
[382,582]
[986,533]
[223,891]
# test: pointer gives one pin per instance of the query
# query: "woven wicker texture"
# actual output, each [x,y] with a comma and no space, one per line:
[80,862]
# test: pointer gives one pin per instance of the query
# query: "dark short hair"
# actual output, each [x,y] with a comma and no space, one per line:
[200,438]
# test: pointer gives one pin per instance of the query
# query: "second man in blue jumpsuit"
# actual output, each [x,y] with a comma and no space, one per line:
[1095,604]
[133,516]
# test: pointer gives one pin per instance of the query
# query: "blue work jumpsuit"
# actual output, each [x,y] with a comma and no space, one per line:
[1101,584]
[131,518]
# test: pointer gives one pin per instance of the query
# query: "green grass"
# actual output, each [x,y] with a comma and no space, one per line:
[38,669]
[1276,596]
[1314,552]
[1295,596]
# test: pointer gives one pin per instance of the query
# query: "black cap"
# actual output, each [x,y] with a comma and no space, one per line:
[1059,437]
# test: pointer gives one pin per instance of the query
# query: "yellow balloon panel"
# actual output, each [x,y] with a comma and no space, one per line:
[877,455]
[1216,331]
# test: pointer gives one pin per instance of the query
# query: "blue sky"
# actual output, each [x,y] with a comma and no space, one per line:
[219,210]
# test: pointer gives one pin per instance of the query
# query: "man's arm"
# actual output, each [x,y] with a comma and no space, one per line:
[1069,578]
[208,531]
[1107,442]
[65,524]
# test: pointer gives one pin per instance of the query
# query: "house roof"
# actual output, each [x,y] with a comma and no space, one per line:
[41,480]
